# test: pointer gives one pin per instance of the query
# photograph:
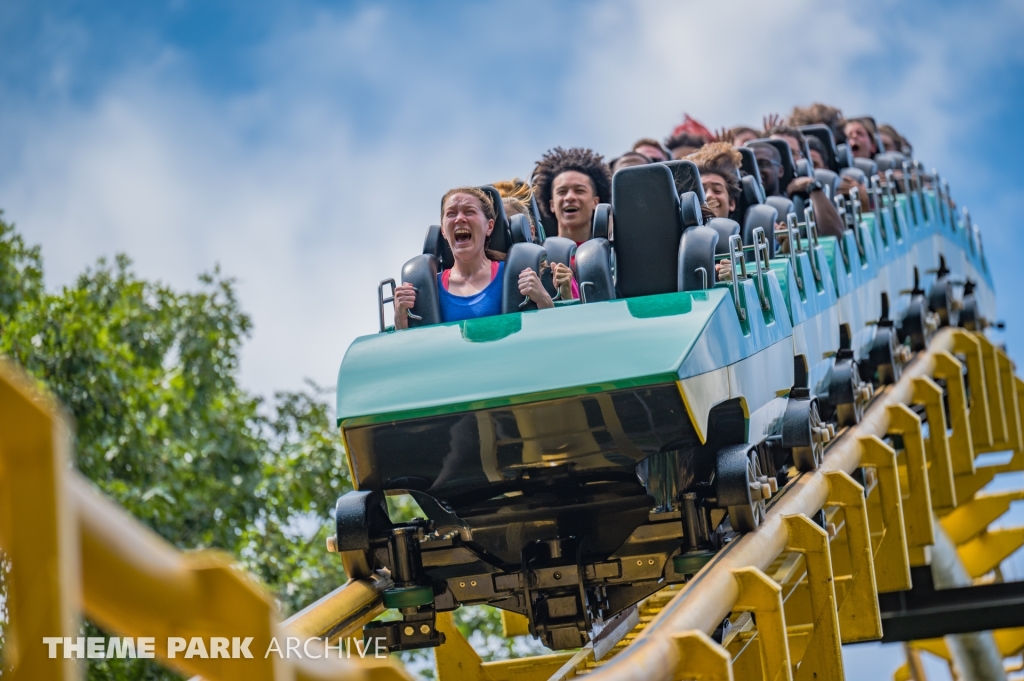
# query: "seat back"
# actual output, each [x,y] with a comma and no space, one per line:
[687,178]
[518,258]
[519,229]
[594,270]
[748,166]
[725,229]
[751,194]
[829,179]
[421,271]
[648,226]
[501,238]
[543,228]
[788,165]
[823,133]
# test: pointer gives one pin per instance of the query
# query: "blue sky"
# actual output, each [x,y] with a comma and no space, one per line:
[303,146]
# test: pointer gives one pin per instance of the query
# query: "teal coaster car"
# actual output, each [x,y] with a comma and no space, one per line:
[571,461]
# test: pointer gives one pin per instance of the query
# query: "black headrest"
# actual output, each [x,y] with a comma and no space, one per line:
[725,228]
[751,194]
[829,179]
[594,270]
[601,228]
[866,165]
[823,134]
[788,164]
[648,226]
[687,177]
[765,216]
[436,245]
[689,210]
[501,239]
[518,258]
[889,160]
[844,159]
[538,220]
[748,166]
[519,229]
[421,271]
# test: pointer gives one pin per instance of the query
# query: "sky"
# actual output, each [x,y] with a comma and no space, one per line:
[303,146]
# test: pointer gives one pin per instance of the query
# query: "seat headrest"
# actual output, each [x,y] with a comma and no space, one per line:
[866,165]
[751,194]
[436,245]
[689,210]
[748,165]
[844,159]
[823,133]
[687,178]
[648,226]
[501,239]
[518,258]
[788,164]
[829,179]
[519,229]
[725,228]
[889,160]
[538,220]
[602,226]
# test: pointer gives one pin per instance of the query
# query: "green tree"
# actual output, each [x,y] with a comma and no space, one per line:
[150,376]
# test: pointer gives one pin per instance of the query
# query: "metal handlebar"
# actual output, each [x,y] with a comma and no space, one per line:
[812,241]
[736,248]
[760,245]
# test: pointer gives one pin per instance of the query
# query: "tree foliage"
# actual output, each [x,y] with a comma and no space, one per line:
[150,378]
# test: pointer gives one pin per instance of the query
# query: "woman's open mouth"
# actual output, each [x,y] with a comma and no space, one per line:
[463,235]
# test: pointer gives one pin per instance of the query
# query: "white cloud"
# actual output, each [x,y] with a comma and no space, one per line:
[319,180]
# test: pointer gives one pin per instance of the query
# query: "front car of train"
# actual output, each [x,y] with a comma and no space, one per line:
[572,461]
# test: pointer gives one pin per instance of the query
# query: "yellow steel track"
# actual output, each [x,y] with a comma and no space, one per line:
[793,591]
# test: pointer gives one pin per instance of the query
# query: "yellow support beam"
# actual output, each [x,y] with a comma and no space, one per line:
[1014,437]
[971,519]
[968,344]
[43,585]
[985,552]
[994,389]
[823,657]
[763,597]
[940,466]
[701,659]
[961,444]
[859,615]
[892,562]
[917,512]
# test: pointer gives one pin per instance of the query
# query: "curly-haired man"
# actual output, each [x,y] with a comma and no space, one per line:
[568,184]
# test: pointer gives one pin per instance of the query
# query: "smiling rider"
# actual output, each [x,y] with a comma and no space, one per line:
[569,183]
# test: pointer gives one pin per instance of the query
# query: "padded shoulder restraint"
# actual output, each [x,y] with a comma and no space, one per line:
[824,135]
[421,271]
[689,210]
[601,228]
[844,159]
[866,165]
[749,164]
[538,220]
[783,207]
[647,230]
[764,216]
[594,270]
[519,257]
[889,160]
[519,228]
[829,179]
[560,250]
[436,245]
[696,250]
[725,228]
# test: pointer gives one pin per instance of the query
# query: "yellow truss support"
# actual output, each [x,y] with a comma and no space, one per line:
[455,660]
[514,624]
[994,390]
[940,465]
[701,659]
[763,597]
[971,519]
[42,585]
[859,616]
[892,563]
[1013,422]
[961,444]
[1009,641]
[985,552]
[823,657]
[918,511]
[967,344]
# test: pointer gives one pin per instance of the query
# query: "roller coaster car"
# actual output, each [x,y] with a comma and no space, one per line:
[572,461]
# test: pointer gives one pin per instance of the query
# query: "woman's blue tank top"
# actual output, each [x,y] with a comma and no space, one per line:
[483,304]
